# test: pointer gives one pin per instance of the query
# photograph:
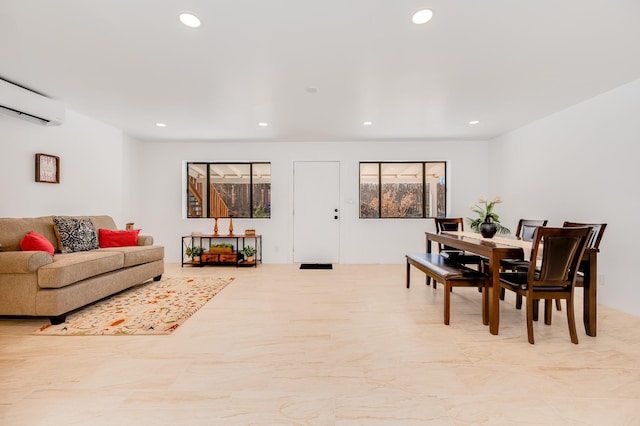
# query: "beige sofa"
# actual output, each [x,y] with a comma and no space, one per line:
[34,283]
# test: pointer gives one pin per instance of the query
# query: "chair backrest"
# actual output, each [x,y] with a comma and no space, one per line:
[449,224]
[562,250]
[526,228]
[596,236]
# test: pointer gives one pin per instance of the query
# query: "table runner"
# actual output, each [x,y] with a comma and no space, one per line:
[524,245]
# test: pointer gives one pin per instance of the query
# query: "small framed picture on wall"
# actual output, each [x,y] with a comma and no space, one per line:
[47,168]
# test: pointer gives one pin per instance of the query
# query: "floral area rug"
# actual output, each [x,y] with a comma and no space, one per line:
[151,308]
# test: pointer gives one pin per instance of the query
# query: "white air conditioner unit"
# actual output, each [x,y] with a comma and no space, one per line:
[23,103]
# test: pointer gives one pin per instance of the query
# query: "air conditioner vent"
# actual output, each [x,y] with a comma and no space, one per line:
[16,101]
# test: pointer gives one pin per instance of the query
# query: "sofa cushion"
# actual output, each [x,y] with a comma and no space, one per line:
[139,254]
[12,230]
[75,234]
[104,222]
[36,242]
[73,267]
[21,262]
[108,238]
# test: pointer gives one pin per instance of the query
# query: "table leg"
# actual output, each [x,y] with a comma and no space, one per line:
[589,315]
[494,300]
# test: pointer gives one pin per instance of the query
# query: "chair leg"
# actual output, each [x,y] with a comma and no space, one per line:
[571,318]
[502,294]
[518,301]
[431,281]
[530,308]
[547,311]
[447,302]
[558,305]
[536,308]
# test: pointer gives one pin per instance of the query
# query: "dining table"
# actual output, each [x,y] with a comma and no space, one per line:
[497,248]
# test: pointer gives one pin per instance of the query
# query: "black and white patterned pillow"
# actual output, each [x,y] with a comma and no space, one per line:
[75,234]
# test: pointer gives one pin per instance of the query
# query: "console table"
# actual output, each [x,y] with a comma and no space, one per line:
[233,257]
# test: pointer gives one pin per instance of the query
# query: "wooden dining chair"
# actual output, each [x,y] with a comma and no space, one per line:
[451,254]
[555,278]
[593,243]
[596,237]
[527,227]
[524,231]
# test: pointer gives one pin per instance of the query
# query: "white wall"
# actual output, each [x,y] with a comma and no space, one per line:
[132,153]
[362,241]
[91,168]
[580,164]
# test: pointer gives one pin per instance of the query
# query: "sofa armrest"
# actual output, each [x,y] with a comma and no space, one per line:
[23,262]
[145,240]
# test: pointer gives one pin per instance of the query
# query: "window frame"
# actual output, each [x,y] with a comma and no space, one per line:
[424,165]
[207,207]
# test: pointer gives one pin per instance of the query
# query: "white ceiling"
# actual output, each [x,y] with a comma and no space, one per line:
[131,63]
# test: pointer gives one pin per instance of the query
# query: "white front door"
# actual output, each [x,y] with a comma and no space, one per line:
[316,215]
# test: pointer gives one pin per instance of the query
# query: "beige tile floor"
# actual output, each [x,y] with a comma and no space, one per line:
[348,346]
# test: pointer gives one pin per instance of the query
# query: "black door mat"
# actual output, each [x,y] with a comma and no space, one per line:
[316,266]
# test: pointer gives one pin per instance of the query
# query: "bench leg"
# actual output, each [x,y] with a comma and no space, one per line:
[447,302]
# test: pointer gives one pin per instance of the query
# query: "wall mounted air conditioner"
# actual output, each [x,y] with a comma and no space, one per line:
[23,103]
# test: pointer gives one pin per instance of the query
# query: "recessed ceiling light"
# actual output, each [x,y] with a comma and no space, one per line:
[263,124]
[367,123]
[190,20]
[474,122]
[161,125]
[422,16]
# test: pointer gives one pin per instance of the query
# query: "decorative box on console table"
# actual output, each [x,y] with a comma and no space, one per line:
[220,250]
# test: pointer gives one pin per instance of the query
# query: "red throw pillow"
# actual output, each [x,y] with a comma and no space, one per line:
[33,241]
[108,238]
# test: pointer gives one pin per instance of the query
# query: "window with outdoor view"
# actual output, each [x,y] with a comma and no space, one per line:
[240,190]
[402,190]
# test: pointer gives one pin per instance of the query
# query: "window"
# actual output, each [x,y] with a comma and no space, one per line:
[240,190]
[403,190]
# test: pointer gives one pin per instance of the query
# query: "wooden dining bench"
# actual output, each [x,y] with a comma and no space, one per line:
[451,275]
